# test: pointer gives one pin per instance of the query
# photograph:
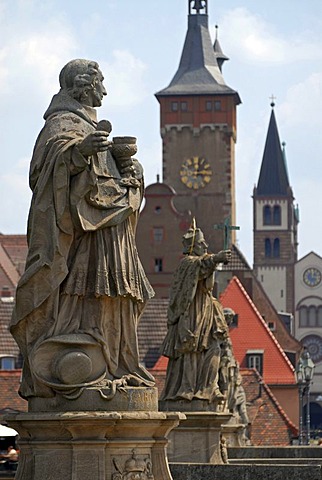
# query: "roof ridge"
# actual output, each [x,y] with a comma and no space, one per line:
[241,287]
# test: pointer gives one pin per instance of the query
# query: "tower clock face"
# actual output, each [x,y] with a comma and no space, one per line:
[312,277]
[195,173]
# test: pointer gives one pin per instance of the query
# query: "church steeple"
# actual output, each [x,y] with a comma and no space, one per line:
[199,69]
[273,177]
[276,221]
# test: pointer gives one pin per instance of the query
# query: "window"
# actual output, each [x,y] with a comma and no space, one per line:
[157,210]
[157,234]
[217,105]
[174,106]
[158,265]
[277,215]
[7,363]
[268,248]
[303,316]
[267,215]
[310,316]
[184,106]
[254,359]
[319,317]
[208,106]
[271,326]
[276,248]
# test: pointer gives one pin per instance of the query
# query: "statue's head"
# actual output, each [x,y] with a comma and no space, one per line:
[83,81]
[194,241]
[229,315]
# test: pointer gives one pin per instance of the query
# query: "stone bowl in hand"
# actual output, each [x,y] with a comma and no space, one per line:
[123,148]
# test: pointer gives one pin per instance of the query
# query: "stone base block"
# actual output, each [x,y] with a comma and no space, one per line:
[234,434]
[197,439]
[134,399]
[93,445]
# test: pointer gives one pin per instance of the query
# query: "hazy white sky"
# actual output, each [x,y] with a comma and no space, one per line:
[273,46]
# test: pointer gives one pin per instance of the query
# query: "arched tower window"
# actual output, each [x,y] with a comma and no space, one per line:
[276,248]
[303,314]
[267,215]
[277,215]
[268,248]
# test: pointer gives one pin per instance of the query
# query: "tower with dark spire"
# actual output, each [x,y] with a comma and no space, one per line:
[275,223]
[198,129]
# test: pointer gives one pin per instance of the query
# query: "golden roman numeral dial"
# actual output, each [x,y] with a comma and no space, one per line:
[195,172]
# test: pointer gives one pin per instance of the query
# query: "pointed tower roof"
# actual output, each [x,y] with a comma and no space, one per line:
[220,56]
[273,177]
[198,71]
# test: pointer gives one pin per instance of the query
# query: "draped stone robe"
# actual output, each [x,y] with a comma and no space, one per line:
[196,326]
[83,274]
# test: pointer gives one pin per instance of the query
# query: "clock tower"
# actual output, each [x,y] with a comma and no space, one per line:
[198,130]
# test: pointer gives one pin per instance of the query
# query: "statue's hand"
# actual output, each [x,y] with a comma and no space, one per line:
[224,256]
[93,143]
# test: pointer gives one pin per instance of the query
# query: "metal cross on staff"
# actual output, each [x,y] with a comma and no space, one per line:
[227,228]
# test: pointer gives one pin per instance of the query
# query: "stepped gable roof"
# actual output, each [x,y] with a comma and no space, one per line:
[237,262]
[8,345]
[270,423]
[152,330]
[198,71]
[9,397]
[273,177]
[252,333]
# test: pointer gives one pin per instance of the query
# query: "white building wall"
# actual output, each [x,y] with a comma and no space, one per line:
[273,280]
[310,295]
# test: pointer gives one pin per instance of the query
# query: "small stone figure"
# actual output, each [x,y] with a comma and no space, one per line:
[80,299]
[223,449]
[196,325]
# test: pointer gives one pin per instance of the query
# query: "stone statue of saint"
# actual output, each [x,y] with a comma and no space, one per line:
[79,300]
[196,325]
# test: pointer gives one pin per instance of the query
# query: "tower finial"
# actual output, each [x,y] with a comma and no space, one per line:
[216,27]
[272,99]
[198,5]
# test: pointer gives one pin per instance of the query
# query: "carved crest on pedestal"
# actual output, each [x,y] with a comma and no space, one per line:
[137,467]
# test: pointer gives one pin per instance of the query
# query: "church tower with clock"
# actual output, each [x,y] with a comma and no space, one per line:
[198,131]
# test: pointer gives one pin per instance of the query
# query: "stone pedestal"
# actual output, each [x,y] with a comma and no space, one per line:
[93,445]
[234,434]
[197,439]
[100,434]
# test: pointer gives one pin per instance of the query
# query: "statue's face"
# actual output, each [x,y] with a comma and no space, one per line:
[95,96]
[200,247]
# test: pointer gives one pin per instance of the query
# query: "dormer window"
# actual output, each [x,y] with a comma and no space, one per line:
[254,359]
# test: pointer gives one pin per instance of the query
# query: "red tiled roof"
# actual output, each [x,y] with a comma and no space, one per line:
[151,330]
[16,248]
[9,269]
[270,425]
[8,345]
[252,333]
[9,385]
